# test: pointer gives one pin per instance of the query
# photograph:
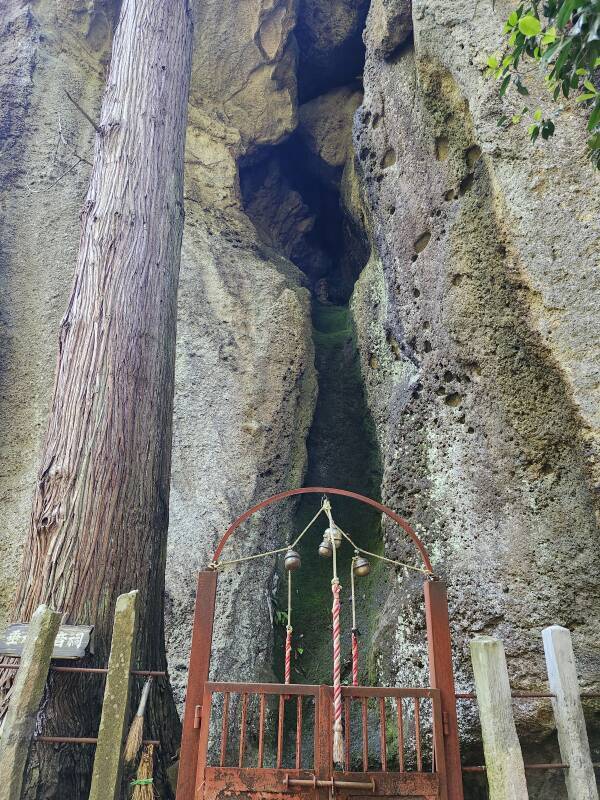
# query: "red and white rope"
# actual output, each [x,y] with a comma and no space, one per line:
[288,637]
[354,659]
[354,628]
[288,655]
[338,739]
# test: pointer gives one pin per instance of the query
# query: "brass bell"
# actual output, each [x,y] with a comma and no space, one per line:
[334,534]
[361,566]
[325,548]
[292,560]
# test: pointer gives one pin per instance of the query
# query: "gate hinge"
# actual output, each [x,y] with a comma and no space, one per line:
[445,723]
[197,716]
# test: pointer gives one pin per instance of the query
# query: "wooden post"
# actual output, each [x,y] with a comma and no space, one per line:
[108,762]
[568,713]
[27,691]
[197,676]
[503,759]
[442,677]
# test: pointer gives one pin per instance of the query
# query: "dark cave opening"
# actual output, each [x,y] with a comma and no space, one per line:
[298,210]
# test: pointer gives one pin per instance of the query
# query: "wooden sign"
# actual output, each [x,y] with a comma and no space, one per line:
[72,641]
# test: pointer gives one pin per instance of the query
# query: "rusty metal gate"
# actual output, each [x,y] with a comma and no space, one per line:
[273,741]
[279,766]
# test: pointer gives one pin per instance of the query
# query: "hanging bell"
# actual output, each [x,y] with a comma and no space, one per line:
[361,566]
[334,534]
[325,548]
[291,560]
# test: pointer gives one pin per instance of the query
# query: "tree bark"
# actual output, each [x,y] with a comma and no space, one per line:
[100,511]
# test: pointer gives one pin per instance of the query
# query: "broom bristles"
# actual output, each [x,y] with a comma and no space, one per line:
[134,740]
[145,791]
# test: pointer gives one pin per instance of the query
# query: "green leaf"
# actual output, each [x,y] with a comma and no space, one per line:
[594,117]
[537,115]
[547,129]
[522,89]
[583,97]
[530,25]
[590,87]
[581,71]
[565,12]
[512,39]
[492,62]
[534,132]
[504,86]
[554,48]
[564,53]
[516,119]
[513,18]
[549,36]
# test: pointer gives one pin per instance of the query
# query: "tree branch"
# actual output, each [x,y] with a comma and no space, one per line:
[85,114]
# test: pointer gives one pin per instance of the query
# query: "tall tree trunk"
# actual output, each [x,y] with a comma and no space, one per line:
[100,511]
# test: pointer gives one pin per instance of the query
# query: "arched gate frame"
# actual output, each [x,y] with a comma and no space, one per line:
[441,674]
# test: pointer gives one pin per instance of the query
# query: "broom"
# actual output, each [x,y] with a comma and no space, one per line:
[136,732]
[143,785]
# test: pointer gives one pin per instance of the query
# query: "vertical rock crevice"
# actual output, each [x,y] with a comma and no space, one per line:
[295,194]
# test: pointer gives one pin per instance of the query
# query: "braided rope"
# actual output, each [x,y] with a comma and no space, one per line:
[288,637]
[354,628]
[354,658]
[338,739]
[288,655]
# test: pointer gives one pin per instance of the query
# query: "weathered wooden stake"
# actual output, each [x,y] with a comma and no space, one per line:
[27,691]
[108,761]
[503,758]
[568,713]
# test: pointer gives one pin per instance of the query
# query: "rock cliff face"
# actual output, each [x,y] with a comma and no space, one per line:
[475,316]
[467,257]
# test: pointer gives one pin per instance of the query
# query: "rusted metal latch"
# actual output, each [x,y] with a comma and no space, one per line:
[334,783]
[197,716]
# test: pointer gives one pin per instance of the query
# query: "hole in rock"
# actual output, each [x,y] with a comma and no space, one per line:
[441,148]
[466,184]
[472,155]
[453,399]
[422,242]
[389,158]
